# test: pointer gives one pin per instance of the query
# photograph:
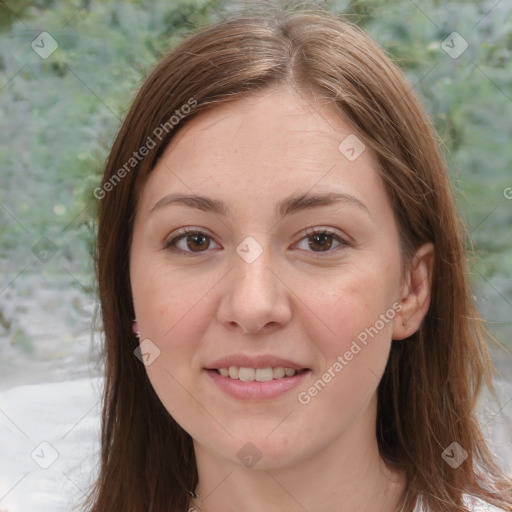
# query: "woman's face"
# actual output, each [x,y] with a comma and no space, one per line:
[296,265]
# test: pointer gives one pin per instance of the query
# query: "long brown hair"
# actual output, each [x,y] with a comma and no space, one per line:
[427,396]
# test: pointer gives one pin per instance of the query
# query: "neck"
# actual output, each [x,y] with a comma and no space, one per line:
[346,475]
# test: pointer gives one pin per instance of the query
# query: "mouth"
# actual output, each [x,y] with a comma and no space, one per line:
[246,374]
[246,383]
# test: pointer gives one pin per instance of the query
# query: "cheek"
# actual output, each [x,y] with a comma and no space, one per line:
[359,309]
[357,301]
[174,318]
[355,352]
[171,306]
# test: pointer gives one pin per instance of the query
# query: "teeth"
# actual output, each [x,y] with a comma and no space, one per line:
[257,374]
[278,373]
[263,374]
[245,374]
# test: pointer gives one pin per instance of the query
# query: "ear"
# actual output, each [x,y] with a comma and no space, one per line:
[135,329]
[415,293]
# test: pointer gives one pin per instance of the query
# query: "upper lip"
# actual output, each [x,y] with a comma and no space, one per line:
[256,361]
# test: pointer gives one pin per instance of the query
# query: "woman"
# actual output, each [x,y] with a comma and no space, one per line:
[276,215]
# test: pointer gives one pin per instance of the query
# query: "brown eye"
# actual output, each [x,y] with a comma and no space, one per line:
[189,242]
[322,240]
[197,242]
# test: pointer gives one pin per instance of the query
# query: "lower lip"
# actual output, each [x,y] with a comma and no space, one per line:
[256,390]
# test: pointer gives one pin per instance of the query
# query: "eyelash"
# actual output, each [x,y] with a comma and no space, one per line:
[309,233]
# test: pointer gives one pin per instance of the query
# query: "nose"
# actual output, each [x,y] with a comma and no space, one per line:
[255,298]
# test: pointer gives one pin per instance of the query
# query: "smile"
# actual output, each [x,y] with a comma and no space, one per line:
[257,374]
[256,383]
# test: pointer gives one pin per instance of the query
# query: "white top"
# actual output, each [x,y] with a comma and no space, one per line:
[474,504]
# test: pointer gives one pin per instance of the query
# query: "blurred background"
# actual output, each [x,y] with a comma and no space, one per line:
[68,71]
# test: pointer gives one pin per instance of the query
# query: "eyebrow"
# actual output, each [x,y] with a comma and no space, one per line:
[288,206]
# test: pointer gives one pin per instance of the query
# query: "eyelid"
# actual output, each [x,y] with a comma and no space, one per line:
[170,241]
[343,240]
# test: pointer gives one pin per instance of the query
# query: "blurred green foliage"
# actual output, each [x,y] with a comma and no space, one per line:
[60,115]
[470,100]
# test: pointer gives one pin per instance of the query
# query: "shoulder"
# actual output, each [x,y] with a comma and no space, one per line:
[474,504]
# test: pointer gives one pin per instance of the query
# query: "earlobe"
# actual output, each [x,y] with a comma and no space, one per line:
[135,328]
[416,293]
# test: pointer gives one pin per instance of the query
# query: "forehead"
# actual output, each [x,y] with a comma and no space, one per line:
[275,123]
[260,146]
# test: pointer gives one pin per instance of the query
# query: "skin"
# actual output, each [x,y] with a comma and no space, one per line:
[295,301]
